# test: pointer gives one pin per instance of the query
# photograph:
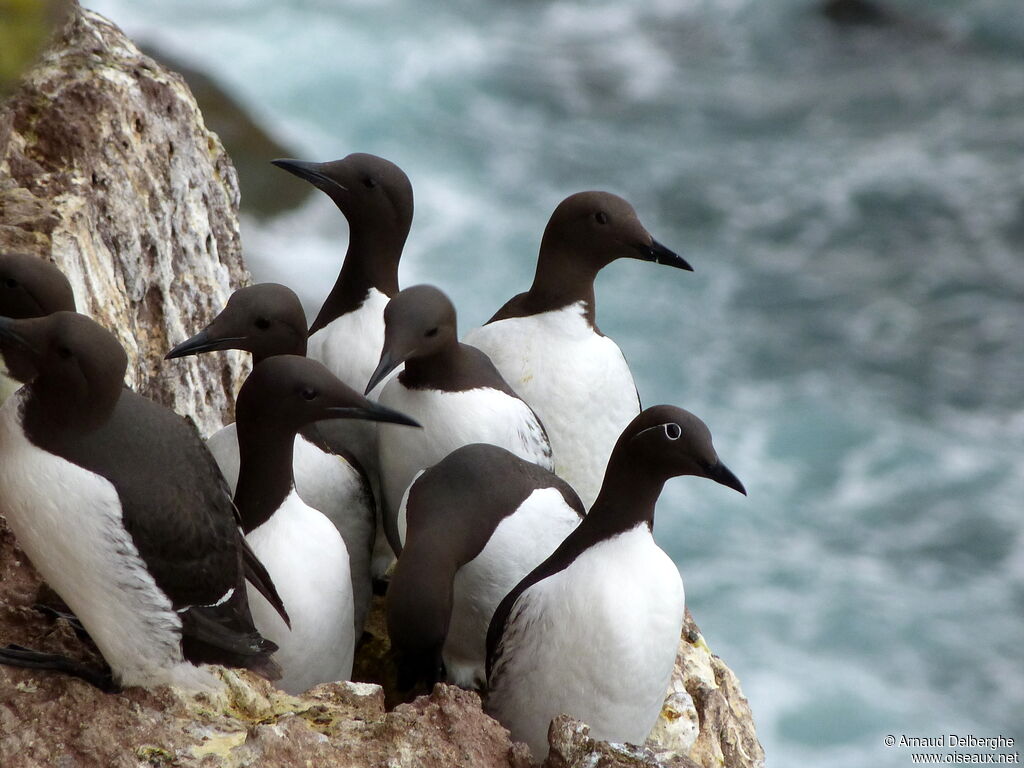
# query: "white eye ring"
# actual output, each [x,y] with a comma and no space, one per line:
[672,431]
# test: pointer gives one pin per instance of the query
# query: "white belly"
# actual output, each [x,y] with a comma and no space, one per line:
[308,563]
[520,543]
[596,641]
[349,347]
[451,420]
[68,521]
[8,386]
[577,382]
[327,483]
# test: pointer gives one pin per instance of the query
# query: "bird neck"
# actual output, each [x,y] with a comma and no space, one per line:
[371,262]
[265,477]
[298,347]
[561,280]
[628,496]
[433,371]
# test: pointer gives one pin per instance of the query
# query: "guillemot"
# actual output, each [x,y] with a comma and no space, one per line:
[592,632]
[267,320]
[452,389]
[29,287]
[122,510]
[375,196]
[301,549]
[476,523]
[547,345]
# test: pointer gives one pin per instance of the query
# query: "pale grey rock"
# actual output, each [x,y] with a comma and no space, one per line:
[107,169]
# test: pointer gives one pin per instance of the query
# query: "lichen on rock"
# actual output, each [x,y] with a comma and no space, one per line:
[106,168]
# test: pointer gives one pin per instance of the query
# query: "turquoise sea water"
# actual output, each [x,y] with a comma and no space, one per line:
[853,202]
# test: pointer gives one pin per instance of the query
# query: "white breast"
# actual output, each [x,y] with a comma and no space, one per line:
[576,380]
[68,521]
[8,386]
[596,641]
[350,346]
[327,483]
[308,563]
[520,543]
[451,420]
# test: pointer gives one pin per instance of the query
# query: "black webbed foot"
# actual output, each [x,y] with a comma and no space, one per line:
[19,656]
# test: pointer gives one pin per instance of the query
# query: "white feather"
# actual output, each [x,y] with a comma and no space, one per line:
[69,522]
[327,483]
[520,543]
[576,380]
[451,420]
[596,641]
[308,563]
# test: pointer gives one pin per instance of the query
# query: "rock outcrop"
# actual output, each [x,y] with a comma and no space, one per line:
[107,169]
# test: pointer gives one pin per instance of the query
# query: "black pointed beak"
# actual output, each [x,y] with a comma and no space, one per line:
[659,254]
[11,336]
[373,412]
[722,474]
[202,342]
[310,172]
[387,364]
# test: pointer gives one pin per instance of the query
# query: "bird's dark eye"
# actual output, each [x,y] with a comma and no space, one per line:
[673,431]
[308,393]
[601,217]
[369,182]
[10,282]
[262,323]
[431,333]
[63,352]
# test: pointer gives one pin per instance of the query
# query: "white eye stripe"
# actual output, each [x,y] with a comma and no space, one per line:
[672,431]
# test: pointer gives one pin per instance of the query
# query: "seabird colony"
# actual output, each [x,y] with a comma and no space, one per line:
[502,490]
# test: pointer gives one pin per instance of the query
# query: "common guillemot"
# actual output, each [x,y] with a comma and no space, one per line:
[476,523]
[452,389]
[122,510]
[268,320]
[29,287]
[301,549]
[592,632]
[375,196]
[547,345]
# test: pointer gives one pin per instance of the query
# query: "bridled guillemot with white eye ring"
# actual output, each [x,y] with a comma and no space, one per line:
[592,632]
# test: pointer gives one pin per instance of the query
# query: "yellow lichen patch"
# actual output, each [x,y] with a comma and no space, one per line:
[219,745]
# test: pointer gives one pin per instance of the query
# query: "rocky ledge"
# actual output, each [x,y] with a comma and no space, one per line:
[107,169]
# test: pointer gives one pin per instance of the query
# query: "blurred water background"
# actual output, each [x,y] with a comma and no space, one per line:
[852,198]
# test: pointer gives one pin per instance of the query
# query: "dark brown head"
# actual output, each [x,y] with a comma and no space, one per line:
[664,441]
[32,287]
[593,229]
[76,364]
[369,190]
[418,322]
[265,319]
[294,391]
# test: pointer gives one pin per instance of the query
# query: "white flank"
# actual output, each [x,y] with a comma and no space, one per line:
[596,641]
[451,420]
[328,483]
[577,382]
[520,543]
[308,563]
[68,521]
